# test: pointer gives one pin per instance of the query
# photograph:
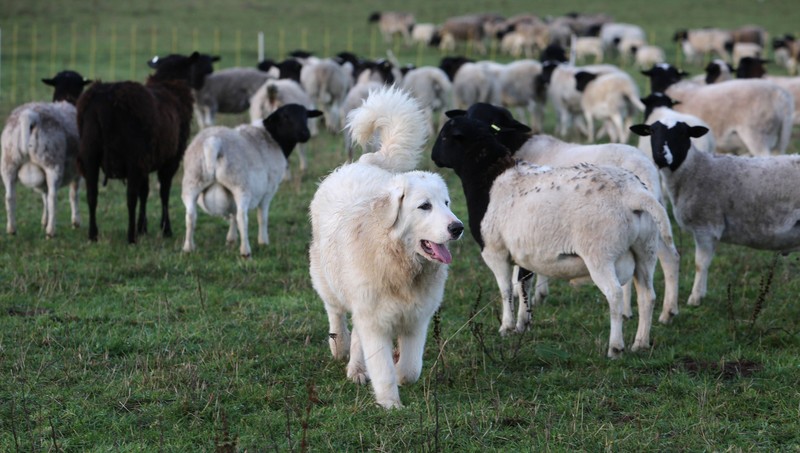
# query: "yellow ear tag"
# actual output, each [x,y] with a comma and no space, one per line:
[496,127]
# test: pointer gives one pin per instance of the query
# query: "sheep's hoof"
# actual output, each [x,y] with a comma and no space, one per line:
[693,301]
[506,331]
[666,318]
[357,374]
[615,353]
[50,235]
[246,256]
[641,346]
[390,404]
[76,225]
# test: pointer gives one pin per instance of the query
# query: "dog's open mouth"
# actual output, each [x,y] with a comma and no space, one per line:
[436,252]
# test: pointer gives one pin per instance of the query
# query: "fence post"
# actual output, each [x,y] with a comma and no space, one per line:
[174,39]
[73,46]
[113,63]
[238,47]
[53,45]
[195,40]
[93,53]
[281,44]
[133,52]
[216,41]
[260,46]
[153,41]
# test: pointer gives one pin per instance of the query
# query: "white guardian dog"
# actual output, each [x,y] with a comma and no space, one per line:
[378,248]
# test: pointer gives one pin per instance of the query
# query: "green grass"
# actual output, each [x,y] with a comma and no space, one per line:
[111,347]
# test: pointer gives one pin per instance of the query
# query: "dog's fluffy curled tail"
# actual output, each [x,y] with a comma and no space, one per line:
[399,122]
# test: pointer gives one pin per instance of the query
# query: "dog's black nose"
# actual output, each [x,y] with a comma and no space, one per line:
[455,229]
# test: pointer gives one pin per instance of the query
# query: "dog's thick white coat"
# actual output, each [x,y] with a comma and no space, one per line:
[378,246]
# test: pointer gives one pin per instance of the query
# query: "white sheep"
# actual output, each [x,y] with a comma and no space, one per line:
[40,149]
[580,222]
[517,89]
[746,49]
[472,81]
[748,201]
[611,98]
[649,55]
[393,23]
[227,91]
[585,46]
[327,83]
[430,86]
[231,171]
[277,93]
[422,34]
[613,33]
[752,114]
[700,42]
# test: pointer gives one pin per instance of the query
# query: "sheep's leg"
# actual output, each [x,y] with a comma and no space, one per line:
[670,264]
[498,262]
[10,182]
[74,186]
[301,153]
[627,310]
[605,277]
[411,345]
[376,345]
[135,193]
[645,298]
[165,175]
[91,172]
[618,129]
[43,220]
[705,246]
[242,203]
[263,217]
[144,192]
[189,196]
[589,127]
[522,279]
[53,182]
[232,235]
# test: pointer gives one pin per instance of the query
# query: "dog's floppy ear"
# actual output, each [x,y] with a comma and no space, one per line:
[387,207]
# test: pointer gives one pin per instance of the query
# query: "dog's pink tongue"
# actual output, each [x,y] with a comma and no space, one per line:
[440,253]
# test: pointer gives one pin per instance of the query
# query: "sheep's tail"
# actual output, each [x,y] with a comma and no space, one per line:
[401,126]
[211,148]
[646,201]
[28,120]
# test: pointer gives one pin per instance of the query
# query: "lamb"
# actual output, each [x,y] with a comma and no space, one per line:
[129,130]
[754,68]
[327,83]
[612,33]
[754,114]
[430,86]
[699,42]
[393,23]
[39,149]
[231,171]
[568,210]
[721,198]
[610,97]
[547,150]
[227,91]
[276,93]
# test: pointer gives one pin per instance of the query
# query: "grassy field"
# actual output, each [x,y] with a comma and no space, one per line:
[111,347]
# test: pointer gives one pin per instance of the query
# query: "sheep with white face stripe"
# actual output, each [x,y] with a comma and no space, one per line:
[748,201]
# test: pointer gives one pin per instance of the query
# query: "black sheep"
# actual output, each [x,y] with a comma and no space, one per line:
[130,130]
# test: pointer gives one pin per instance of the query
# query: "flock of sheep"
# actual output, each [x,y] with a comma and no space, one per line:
[129,130]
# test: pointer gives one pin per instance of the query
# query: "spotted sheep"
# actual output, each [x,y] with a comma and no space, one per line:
[739,200]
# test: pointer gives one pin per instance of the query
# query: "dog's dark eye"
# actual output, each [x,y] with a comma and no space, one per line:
[425,206]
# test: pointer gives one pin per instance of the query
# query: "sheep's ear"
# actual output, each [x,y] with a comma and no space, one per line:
[674,103]
[87,81]
[153,62]
[50,82]
[194,56]
[640,129]
[314,113]
[697,131]
[647,72]
[455,113]
[216,58]
[683,73]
